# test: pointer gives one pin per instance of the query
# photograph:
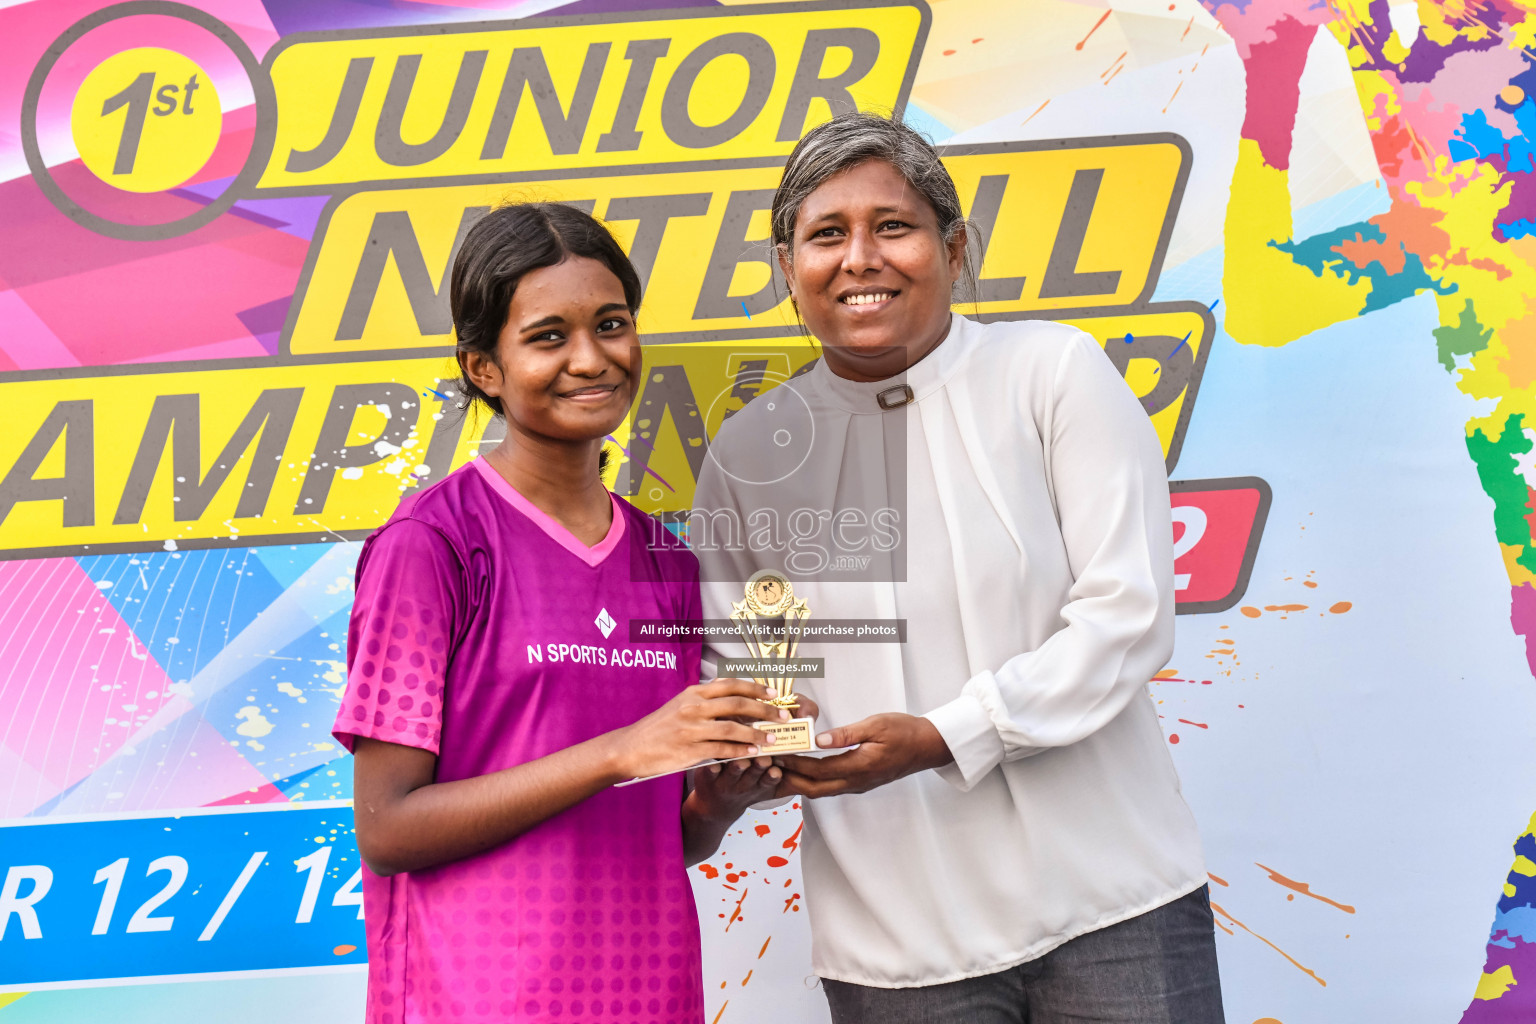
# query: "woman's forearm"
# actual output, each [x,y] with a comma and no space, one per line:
[417,825]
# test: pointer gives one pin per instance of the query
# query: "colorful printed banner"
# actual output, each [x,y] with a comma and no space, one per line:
[167,897]
[1302,232]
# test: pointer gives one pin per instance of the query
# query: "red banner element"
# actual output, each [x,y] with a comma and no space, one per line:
[1216,529]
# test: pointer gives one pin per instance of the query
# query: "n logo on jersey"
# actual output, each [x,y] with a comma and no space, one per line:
[605,622]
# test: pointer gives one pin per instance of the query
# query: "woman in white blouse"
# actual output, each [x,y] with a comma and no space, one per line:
[1007,842]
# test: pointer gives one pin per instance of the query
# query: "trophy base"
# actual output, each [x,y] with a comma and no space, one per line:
[795,736]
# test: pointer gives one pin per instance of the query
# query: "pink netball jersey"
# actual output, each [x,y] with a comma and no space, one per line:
[484,632]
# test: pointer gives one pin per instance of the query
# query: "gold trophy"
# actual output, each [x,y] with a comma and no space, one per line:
[769,621]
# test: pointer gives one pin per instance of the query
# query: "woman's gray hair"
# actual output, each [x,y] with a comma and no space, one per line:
[851,139]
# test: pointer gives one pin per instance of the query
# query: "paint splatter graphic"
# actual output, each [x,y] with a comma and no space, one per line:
[1303,888]
[755,868]
[1453,126]
[1231,925]
[1222,915]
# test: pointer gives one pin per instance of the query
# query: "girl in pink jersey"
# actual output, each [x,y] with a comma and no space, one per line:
[495,696]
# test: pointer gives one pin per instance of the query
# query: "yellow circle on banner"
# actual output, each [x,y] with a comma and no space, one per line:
[146,119]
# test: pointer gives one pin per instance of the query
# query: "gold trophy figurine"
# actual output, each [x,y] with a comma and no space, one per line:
[769,621]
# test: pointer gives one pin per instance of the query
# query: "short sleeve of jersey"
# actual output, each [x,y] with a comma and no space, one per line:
[409,589]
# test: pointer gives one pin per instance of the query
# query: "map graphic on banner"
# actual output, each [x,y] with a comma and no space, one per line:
[1303,233]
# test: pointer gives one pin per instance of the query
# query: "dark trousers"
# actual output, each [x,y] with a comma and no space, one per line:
[1156,968]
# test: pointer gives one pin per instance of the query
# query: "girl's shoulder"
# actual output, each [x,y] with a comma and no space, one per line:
[431,517]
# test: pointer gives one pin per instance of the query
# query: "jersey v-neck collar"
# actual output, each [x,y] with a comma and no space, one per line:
[556,532]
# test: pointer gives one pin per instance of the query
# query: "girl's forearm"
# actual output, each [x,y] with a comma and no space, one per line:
[406,821]
[425,825]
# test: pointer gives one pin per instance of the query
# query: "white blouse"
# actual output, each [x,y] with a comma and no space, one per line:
[1038,597]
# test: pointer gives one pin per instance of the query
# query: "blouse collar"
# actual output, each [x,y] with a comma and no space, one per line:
[923,377]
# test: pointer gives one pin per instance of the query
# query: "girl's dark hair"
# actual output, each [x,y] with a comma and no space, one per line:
[507,243]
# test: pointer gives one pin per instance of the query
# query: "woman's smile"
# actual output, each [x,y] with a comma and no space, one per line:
[865,302]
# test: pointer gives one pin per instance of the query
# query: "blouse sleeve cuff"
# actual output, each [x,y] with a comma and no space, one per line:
[972,740]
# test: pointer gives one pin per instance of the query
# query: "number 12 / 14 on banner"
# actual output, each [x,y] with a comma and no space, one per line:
[214,891]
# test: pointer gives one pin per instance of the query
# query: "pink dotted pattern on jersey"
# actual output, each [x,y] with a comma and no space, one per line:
[395,687]
[613,966]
